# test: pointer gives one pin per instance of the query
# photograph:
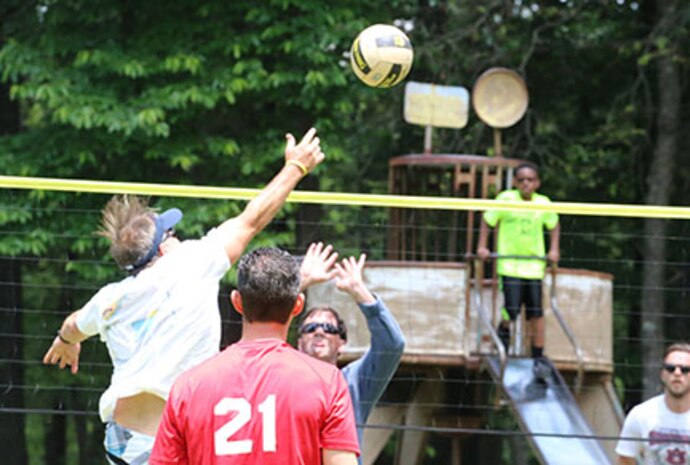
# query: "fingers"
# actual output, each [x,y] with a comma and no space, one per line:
[308,136]
[314,145]
[310,143]
[349,274]
[324,251]
[52,356]
[313,149]
[328,256]
[340,274]
[333,273]
[290,142]
[47,357]
[307,152]
[324,254]
[330,261]
[316,249]
[75,365]
[345,265]
[313,249]
[362,260]
[62,359]
[351,264]
[351,267]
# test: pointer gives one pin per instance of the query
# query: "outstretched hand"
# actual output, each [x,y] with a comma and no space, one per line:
[317,265]
[350,279]
[63,355]
[307,153]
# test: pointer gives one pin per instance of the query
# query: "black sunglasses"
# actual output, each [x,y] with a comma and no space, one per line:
[312,327]
[671,368]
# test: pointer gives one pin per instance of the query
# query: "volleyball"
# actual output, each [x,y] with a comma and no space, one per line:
[381,56]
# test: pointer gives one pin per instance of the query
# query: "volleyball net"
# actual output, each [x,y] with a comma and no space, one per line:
[51,263]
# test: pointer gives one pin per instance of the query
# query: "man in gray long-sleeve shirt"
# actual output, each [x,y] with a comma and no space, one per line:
[322,332]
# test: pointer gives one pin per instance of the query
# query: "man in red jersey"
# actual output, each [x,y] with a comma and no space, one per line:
[260,401]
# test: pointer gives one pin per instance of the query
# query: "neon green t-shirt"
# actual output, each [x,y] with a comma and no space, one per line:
[521,233]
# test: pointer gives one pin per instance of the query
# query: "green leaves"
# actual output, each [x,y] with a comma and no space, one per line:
[180,92]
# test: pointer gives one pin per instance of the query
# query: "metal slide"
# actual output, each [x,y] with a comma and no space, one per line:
[548,410]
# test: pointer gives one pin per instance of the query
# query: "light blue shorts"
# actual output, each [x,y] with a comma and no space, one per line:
[126,447]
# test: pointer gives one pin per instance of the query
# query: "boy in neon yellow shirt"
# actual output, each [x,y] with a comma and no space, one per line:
[522,233]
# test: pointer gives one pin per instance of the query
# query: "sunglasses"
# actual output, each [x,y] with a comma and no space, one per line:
[671,368]
[168,234]
[312,327]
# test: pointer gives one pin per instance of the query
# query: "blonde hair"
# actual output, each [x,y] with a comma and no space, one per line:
[128,223]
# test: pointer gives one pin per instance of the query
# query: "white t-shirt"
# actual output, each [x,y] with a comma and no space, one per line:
[654,422]
[160,322]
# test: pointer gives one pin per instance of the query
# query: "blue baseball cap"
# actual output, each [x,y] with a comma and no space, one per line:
[164,222]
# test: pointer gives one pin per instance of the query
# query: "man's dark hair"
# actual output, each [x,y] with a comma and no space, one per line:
[341,323]
[268,279]
[524,165]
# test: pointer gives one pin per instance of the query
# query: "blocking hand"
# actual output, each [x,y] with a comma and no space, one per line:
[350,279]
[317,265]
[307,153]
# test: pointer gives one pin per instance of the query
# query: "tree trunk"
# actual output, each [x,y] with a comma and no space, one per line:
[12,433]
[54,438]
[13,444]
[659,182]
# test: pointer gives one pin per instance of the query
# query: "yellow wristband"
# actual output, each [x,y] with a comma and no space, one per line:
[299,165]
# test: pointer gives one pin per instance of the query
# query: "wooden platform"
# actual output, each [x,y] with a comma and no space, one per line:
[441,326]
[445,342]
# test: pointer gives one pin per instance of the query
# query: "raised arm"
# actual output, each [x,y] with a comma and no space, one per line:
[374,370]
[386,337]
[66,346]
[300,159]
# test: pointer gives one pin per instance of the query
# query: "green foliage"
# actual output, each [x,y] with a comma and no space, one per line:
[181,92]
[167,92]
[202,93]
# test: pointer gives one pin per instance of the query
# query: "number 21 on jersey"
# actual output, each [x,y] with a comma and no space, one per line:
[224,445]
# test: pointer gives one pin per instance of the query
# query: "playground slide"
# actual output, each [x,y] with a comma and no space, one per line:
[559,433]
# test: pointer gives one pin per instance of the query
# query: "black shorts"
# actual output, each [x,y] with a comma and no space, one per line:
[518,291]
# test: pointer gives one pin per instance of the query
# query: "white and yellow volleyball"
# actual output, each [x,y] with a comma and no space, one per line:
[381,56]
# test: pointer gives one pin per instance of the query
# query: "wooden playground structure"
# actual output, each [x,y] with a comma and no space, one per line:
[447,308]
